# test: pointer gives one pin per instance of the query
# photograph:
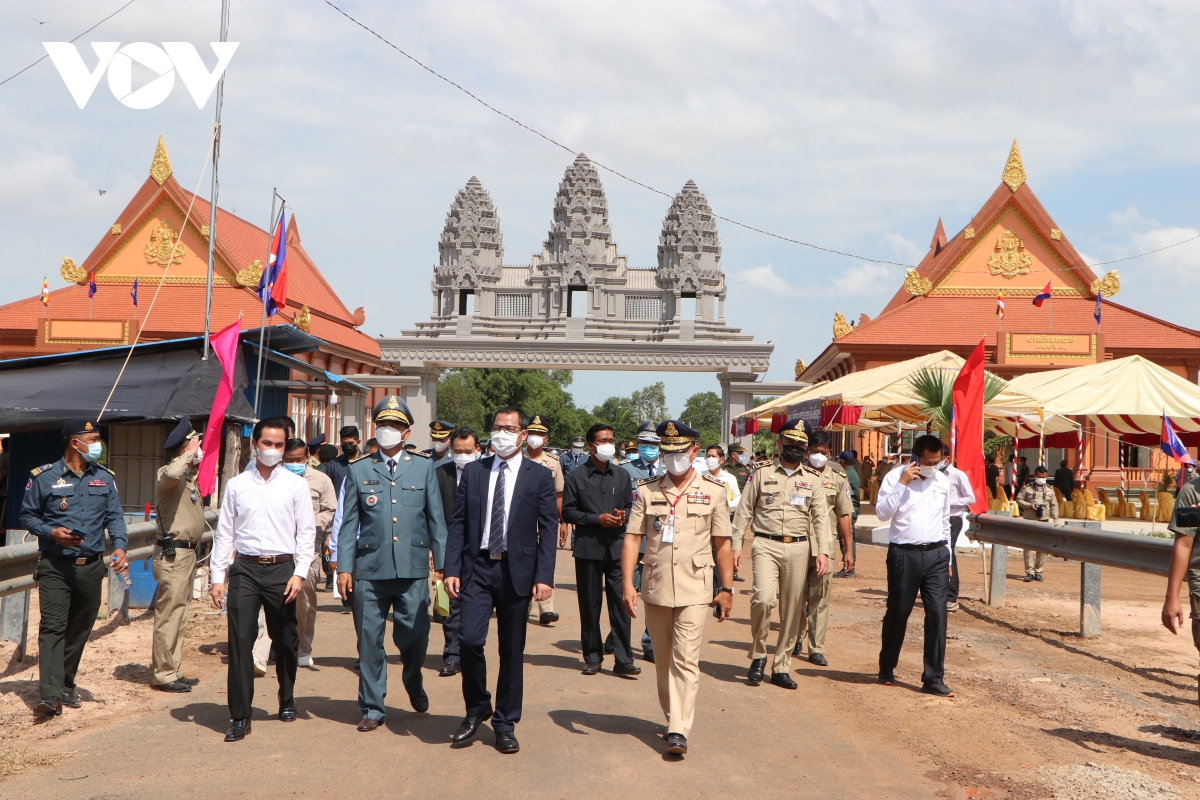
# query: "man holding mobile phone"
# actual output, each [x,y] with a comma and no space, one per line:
[597,499]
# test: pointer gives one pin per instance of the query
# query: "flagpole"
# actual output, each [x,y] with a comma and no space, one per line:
[212,211]
[262,330]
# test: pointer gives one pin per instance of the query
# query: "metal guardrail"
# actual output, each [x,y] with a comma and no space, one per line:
[1092,547]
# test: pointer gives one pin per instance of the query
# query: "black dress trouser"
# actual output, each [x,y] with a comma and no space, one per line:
[252,586]
[598,580]
[911,571]
[956,525]
[69,596]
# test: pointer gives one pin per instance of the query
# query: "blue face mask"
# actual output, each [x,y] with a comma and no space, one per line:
[296,468]
[93,452]
[648,452]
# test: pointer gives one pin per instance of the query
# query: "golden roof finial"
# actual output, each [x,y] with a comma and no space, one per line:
[160,167]
[1014,170]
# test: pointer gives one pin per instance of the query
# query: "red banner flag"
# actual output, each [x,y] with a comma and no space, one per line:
[224,344]
[968,425]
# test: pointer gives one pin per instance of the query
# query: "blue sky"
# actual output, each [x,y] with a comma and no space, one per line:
[853,125]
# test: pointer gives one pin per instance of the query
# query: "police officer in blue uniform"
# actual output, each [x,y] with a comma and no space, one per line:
[391,499]
[68,505]
[439,434]
[646,463]
[577,455]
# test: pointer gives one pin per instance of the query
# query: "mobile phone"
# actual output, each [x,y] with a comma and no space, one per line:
[1187,517]
[78,534]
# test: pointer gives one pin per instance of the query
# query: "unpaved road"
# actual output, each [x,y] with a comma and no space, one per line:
[1034,703]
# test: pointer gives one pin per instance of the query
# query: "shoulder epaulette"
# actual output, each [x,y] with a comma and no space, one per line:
[765,462]
[548,453]
[421,453]
[107,469]
[354,460]
[838,468]
[39,470]
[717,481]
[644,481]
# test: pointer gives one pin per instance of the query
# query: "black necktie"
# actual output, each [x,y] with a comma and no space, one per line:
[496,536]
[392,467]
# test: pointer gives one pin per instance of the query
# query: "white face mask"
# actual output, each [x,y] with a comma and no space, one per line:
[388,437]
[504,443]
[1040,481]
[268,458]
[927,470]
[462,459]
[441,447]
[677,463]
[712,464]
[818,460]
[605,452]
[535,442]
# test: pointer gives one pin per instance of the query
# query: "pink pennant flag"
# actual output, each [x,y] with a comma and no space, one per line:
[224,344]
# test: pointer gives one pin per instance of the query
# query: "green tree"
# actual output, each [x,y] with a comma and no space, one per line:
[650,402]
[703,412]
[620,413]
[469,396]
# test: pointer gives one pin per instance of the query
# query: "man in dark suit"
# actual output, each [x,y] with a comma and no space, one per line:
[464,449]
[1064,479]
[500,554]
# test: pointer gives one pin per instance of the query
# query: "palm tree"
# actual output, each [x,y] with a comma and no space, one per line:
[934,390]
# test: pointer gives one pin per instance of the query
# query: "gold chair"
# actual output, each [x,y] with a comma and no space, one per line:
[1124,507]
[1149,507]
[1166,506]
[1066,509]
[1110,505]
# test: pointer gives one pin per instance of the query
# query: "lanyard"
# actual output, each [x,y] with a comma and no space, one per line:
[682,492]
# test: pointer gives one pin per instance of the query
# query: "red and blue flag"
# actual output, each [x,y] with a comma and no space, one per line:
[272,287]
[91,284]
[133,292]
[1172,446]
[1043,296]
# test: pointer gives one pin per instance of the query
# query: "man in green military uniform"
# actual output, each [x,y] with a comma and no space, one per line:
[535,450]
[836,488]
[737,466]
[68,505]
[392,501]
[181,523]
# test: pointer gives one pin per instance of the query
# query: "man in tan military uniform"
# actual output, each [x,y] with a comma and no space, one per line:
[682,514]
[836,488]
[535,450]
[784,506]
[181,524]
[1037,501]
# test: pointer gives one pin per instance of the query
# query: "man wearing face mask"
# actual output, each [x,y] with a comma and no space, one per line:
[597,500]
[464,449]
[439,435]
[789,514]
[1037,501]
[181,523]
[684,519]
[392,500]
[68,505]
[642,466]
[738,465]
[535,451]
[575,456]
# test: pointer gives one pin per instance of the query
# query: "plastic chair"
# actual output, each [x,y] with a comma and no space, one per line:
[1110,505]
[1149,507]
[1166,506]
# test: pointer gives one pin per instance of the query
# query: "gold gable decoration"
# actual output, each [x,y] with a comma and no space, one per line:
[1014,169]
[1108,286]
[160,167]
[70,272]
[840,326]
[800,367]
[1009,258]
[250,274]
[164,247]
[115,230]
[303,318]
[915,285]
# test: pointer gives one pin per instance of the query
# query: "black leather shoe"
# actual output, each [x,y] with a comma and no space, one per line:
[50,706]
[189,681]
[288,713]
[627,669]
[939,688]
[755,675]
[1027,578]
[449,669]
[507,743]
[784,680]
[591,667]
[648,655]
[738,578]
[70,699]
[844,574]
[887,679]
[798,650]
[469,727]
[546,619]
[173,686]
[676,744]
[818,659]
[420,704]
[239,730]
[1037,576]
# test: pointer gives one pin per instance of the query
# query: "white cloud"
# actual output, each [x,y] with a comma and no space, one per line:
[904,248]
[1181,261]
[1130,216]
[766,279]
[867,279]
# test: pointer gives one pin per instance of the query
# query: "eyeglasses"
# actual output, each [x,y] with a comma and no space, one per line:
[506,428]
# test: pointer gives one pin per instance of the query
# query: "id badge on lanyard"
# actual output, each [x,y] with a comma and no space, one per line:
[668,532]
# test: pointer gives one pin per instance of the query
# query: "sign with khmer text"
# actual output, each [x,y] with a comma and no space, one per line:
[1062,349]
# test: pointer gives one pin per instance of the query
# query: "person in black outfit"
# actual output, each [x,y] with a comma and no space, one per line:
[1064,479]
[464,448]
[991,474]
[597,499]
[1022,474]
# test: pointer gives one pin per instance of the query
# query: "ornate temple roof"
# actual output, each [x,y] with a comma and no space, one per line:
[580,231]
[471,245]
[689,248]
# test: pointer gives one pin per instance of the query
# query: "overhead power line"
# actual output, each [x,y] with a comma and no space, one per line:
[85,33]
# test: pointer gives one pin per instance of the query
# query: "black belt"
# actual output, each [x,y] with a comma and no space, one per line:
[78,561]
[267,559]
[177,543]
[785,539]
[488,555]
[926,546]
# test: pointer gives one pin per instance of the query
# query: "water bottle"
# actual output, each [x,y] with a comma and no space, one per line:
[126,581]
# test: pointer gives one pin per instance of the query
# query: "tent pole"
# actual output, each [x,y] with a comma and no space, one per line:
[212,211]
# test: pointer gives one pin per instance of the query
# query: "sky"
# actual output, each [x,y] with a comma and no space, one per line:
[851,125]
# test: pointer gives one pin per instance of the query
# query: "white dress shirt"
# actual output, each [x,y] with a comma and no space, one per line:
[962,496]
[510,483]
[919,512]
[732,493]
[265,518]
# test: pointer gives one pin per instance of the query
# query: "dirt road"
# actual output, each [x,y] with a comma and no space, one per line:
[1039,712]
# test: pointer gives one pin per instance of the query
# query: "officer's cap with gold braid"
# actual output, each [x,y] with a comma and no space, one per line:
[80,425]
[440,430]
[393,409]
[538,425]
[794,432]
[675,437]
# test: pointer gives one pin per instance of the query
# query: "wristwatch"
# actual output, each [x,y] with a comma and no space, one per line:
[725,589]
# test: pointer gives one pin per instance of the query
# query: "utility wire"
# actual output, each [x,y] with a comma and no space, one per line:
[89,30]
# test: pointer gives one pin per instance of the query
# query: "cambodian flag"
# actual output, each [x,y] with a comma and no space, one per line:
[91,284]
[133,292]
[1043,297]
[1172,446]
[272,287]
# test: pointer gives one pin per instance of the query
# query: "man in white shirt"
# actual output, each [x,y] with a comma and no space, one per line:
[267,520]
[916,500]
[962,497]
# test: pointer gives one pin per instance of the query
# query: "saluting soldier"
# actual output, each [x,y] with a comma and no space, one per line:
[181,523]
[68,505]
[392,500]
[535,450]
[835,486]
[785,507]
[439,434]
[684,518]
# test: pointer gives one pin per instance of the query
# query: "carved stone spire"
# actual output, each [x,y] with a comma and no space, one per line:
[471,244]
[1014,169]
[580,236]
[160,167]
[689,250]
